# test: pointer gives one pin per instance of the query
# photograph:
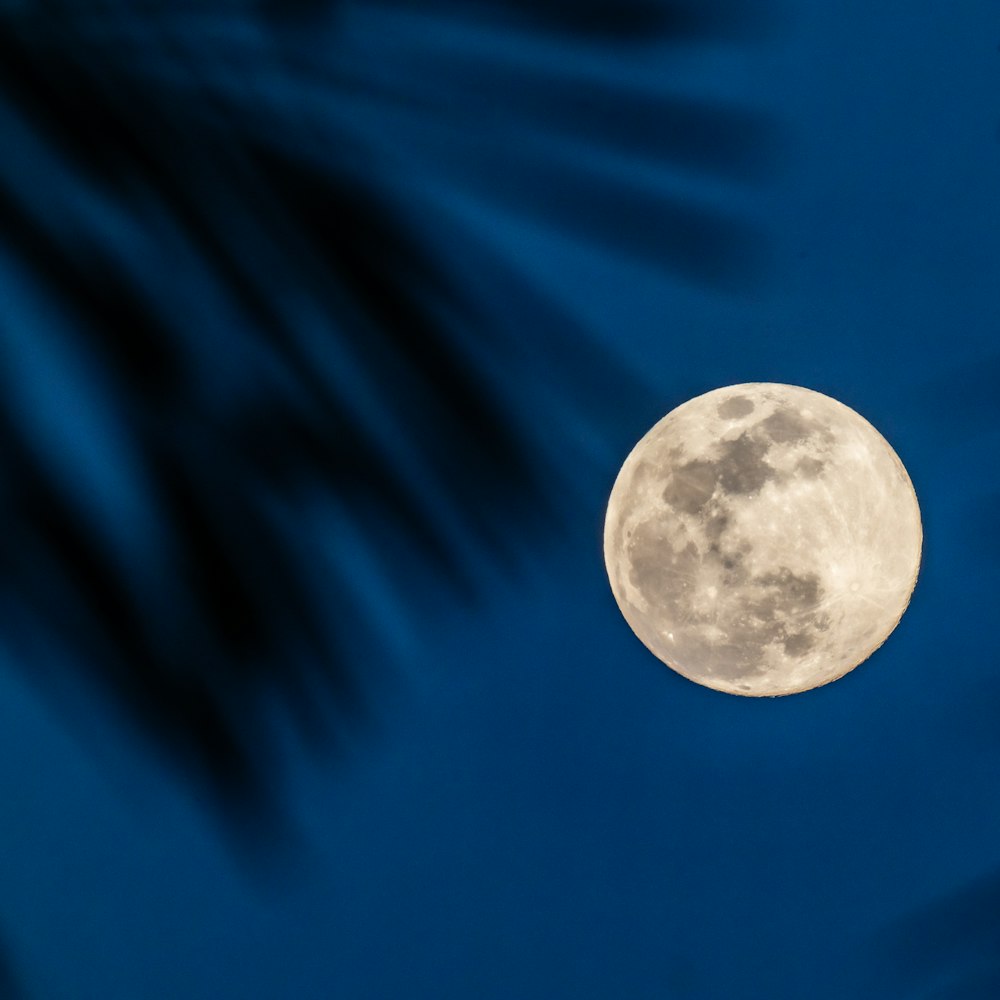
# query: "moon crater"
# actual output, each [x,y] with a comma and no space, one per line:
[762,539]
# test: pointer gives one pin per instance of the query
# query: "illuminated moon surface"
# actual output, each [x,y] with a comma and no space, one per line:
[762,539]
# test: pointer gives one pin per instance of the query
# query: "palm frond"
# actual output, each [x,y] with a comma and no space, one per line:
[258,383]
[946,950]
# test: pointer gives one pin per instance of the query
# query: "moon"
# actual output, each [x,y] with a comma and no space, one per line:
[762,539]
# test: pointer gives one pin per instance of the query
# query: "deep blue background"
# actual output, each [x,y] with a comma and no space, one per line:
[536,808]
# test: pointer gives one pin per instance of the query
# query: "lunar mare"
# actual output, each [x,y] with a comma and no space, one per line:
[762,539]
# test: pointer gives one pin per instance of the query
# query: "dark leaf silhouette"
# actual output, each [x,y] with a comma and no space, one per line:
[257,385]
[11,987]
[680,20]
[947,950]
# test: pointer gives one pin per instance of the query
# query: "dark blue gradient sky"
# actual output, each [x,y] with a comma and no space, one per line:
[534,807]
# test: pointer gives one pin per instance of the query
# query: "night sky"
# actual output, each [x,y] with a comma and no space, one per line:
[495,791]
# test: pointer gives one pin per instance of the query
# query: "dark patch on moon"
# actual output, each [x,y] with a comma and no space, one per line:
[742,468]
[733,409]
[715,526]
[662,574]
[691,486]
[792,592]
[798,644]
[786,426]
[789,425]
[809,467]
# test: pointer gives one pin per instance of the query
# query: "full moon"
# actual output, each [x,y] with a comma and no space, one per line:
[762,539]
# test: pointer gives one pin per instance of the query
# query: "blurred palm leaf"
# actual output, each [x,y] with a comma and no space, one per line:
[948,950]
[10,985]
[250,363]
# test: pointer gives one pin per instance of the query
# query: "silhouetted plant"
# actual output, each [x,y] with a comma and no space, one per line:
[946,950]
[256,378]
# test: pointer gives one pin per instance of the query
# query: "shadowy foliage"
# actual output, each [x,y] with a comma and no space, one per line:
[11,988]
[947,951]
[638,20]
[257,384]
